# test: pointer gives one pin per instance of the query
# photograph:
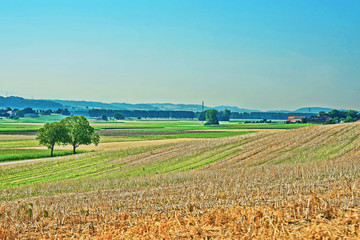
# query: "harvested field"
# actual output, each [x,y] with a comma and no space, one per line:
[8,137]
[114,132]
[240,130]
[296,184]
[122,145]
[22,133]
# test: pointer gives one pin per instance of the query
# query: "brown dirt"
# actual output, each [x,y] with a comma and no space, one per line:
[28,133]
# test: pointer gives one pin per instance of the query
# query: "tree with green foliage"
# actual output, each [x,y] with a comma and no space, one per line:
[330,121]
[336,113]
[353,114]
[19,113]
[65,112]
[80,132]
[211,117]
[118,116]
[47,112]
[202,116]
[28,110]
[337,116]
[224,115]
[52,134]
[350,119]
[104,117]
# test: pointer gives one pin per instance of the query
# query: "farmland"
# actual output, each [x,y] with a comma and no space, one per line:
[17,137]
[235,183]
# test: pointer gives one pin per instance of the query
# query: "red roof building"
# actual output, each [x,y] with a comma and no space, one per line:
[295,119]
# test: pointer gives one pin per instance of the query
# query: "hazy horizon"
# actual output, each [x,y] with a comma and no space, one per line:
[207,105]
[265,55]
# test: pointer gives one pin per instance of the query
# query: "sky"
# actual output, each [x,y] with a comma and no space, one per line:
[255,54]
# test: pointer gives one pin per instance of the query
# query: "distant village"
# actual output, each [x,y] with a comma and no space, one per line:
[332,117]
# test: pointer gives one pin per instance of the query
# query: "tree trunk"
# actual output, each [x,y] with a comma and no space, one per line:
[52,150]
[74,150]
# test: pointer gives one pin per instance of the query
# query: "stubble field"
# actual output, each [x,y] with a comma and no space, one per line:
[291,184]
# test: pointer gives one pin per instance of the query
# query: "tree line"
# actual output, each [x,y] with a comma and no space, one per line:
[97,113]
[337,116]
[334,115]
[212,116]
[20,113]
[73,131]
[267,115]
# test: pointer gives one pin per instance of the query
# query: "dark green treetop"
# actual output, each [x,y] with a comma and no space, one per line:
[52,134]
[80,132]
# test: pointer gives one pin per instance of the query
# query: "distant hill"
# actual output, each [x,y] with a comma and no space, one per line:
[83,104]
[279,111]
[19,102]
[313,110]
[235,109]
[72,105]
[145,106]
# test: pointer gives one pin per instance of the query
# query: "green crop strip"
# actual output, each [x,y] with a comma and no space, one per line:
[18,127]
[19,143]
[22,154]
[68,168]
[85,171]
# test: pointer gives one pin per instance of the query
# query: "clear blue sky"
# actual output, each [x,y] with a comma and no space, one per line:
[254,54]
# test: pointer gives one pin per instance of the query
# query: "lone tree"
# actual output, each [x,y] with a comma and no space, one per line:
[51,134]
[119,116]
[211,117]
[79,132]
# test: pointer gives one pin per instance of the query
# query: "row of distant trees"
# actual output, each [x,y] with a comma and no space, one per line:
[220,116]
[117,116]
[334,115]
[18,113]
[267,115]
[337,116]
[73,131]
[141,113]
[212,116]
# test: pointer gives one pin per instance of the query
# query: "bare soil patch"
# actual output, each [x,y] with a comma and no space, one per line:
[28,133]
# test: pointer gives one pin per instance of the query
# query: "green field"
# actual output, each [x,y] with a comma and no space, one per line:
[40,119]
[108,169]
[23,154]
[87,171]
[18,127]
[18,143]
[186,126]
[5,125]
[152,131]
